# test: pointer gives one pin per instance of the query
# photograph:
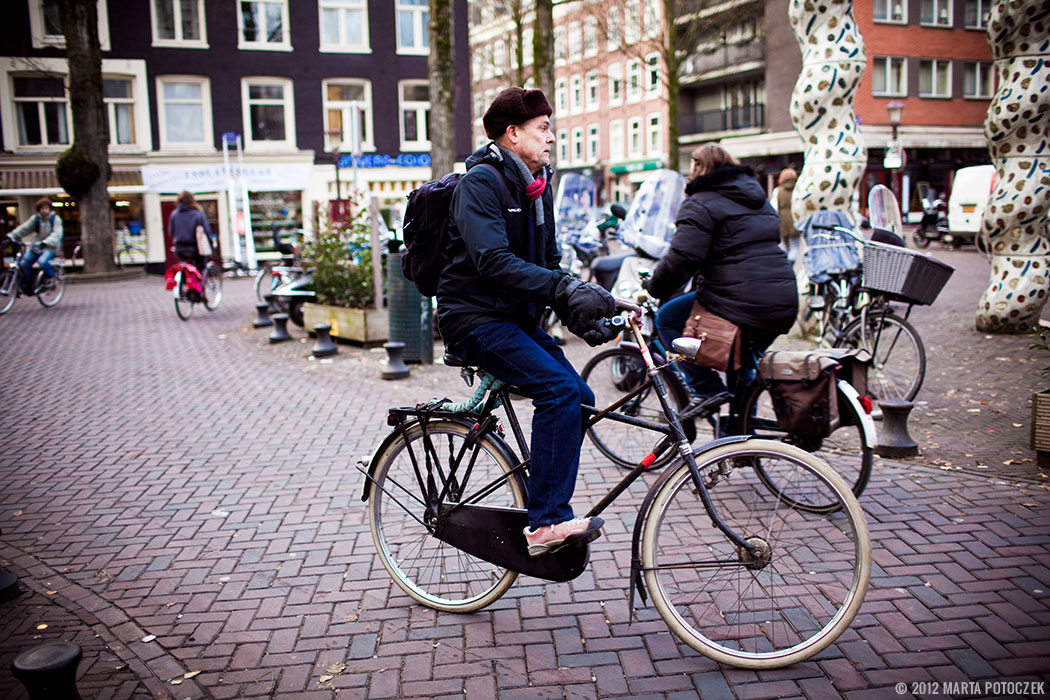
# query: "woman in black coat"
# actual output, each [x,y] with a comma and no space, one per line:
[727,242]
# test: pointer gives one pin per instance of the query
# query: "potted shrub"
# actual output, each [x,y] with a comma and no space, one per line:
[342,282]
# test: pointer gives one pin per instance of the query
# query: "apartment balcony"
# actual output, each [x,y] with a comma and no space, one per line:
[724,60]
[732,119]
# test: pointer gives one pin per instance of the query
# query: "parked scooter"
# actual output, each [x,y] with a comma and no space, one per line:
[934,223]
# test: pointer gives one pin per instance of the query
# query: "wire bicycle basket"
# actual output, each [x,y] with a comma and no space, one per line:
[905,275]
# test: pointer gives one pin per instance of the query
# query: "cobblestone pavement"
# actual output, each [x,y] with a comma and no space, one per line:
[180,499]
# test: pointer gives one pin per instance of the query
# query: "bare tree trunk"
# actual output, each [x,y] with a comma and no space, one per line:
[517,16]
[90,134]
[543,49]
[672,69]
[442,68]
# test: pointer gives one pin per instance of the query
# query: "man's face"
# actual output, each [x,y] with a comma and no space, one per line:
[532,142]
[44,210]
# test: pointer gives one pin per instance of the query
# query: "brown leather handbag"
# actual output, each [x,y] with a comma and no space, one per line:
[720,348]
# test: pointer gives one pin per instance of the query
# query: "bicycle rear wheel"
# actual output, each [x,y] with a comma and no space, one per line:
[611,375]
[791,602]
[898,355]
[183,306]
[263,282]
[50,292]
[429,570]
[8,289]
[845,449]
[211,285]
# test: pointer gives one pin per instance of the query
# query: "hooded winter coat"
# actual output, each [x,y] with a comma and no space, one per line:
[726,241]
[502,268]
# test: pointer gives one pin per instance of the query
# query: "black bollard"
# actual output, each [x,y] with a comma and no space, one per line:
[324,347]
[262,318]
[395,362]
[271,307]
[49,671]
[894,440]
[279,334]
[8,586]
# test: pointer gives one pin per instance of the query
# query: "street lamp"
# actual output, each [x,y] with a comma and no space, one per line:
[335,138]
[893,159]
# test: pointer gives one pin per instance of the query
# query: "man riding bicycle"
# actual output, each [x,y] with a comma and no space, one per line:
[503,271]
[44,231]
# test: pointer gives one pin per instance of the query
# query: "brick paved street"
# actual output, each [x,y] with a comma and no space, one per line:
[190,482]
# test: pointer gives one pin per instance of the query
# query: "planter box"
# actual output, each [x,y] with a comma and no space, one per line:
[1041,427]
[364,326]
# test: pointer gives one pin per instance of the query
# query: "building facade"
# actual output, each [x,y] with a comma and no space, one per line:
[288,105]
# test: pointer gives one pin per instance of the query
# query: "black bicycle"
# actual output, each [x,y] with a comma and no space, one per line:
[47,290]
[737,572]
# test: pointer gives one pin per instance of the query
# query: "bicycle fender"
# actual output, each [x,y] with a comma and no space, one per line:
[866,422]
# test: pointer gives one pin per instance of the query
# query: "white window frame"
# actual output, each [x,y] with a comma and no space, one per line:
[575,38]
[653,134]
[983,8]
[563,147]
[935,64]
[499,57]
[651,19]
[590,37]
[66,111]
[613,29]
[178,41]
[526,47]
[420,29]
[635,80]
[576,94]
[632,22]
[892,7]
[984,77]
[561,95]
[422,110]
[594,143]
[362,5]
[287,102]
[592,91]
[345,106]
[886,90]
[634,136]
[617,144]
[652,76]
[285,44]
[617,85]
[560,49]
[111,111]
[577,145]
[42,40]
[941,8]
[207,129]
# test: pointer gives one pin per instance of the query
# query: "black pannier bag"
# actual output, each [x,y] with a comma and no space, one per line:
[802,385]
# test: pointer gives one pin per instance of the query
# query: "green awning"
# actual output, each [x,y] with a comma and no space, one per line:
[637,166]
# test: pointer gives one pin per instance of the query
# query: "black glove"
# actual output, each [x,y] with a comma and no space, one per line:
[603,330]
[579,304]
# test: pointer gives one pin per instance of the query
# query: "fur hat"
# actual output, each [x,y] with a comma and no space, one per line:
[514,106]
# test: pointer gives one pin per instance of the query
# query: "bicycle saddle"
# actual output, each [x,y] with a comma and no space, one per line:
[454,360]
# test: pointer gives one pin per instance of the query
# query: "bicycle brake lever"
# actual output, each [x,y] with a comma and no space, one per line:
[467,373]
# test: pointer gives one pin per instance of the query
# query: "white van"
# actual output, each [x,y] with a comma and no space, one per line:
[971,190]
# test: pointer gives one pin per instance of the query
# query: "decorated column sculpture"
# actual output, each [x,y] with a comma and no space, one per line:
[822,105]
[1014,231]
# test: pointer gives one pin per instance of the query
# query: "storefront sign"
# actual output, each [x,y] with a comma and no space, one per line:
[636,166]
[212,178]
[401,160]
[894,155]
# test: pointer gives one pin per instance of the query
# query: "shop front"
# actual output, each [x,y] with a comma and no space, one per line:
[624,178]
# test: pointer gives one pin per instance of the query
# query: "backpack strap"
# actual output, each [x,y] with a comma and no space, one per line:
[502,181]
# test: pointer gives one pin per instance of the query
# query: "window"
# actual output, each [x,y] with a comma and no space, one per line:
[184,112]
[563,147]
[652,19]
[652,137]
[935,78]
[561,95]
[120,108]
[269,119]
[615,83]
[346,103]
[613,28]
[634,137]
[590,37]
[415,115]
[577,145]
[263,24]
[344,26]
[179,23]
[499,57]
[413,19]
[576,94]
[890,11]
[42,109]
[652,75]
[632,20]
[937,13]
[978,79]
[575,41]
[594,143]
[45,24]
[488,70]
[887,76]
[977,13]
[634,80]
[593,98]
[616,140]
[560,51]
[526,47]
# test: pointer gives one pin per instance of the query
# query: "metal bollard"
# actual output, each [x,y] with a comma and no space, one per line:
[262,318]
[395,362]
[279,334]
[8,586]
[324,347]
[49,671]
[894,440]
[270,306]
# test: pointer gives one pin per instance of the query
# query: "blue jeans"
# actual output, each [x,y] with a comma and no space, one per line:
[531,361]
[43,258]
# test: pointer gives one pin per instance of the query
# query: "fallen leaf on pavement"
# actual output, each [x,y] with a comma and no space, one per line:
[190,674]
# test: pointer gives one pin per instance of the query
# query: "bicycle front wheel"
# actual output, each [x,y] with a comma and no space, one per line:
[263,283]
[212,286]
[50,292]
[898,355]
[791,601]
[845,449]
[183,306]
[8,289]
[611,375]
[429,570]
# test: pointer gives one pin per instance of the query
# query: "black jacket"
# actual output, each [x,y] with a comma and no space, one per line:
[726,240]
[499,270]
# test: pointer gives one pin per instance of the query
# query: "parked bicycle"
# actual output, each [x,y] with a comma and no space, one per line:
[130,249]
[47,290]
[186,297]
[621,380]
[737,573]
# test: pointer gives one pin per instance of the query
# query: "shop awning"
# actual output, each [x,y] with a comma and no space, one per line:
[636,166]
[30,181]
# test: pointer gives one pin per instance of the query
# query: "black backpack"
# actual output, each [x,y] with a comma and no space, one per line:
[426,229]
